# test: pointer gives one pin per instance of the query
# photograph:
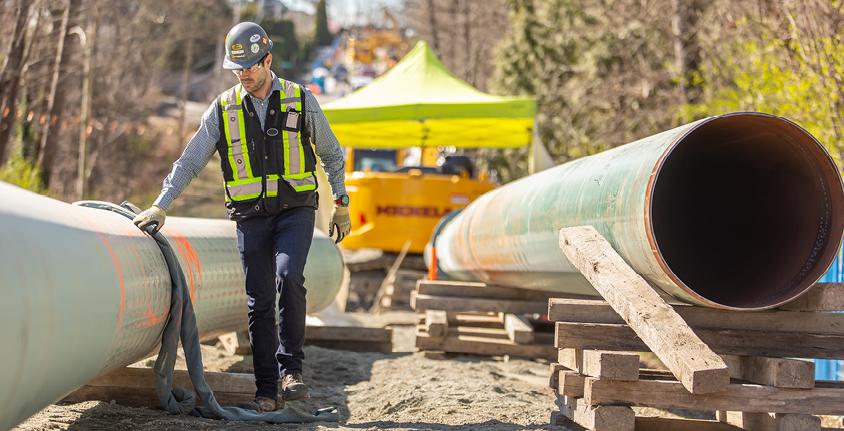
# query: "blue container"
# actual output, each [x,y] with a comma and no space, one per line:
[828,369]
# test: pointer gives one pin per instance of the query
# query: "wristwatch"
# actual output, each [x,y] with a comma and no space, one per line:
[342,201]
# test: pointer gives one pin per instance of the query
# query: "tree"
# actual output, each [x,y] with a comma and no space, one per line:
[11,75]
[322,35]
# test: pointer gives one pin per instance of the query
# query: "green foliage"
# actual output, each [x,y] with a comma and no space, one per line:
[21,173]
[286,51]
[322,36]
[790,78]
[598,77]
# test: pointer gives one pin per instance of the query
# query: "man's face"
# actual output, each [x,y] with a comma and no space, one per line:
[255,77]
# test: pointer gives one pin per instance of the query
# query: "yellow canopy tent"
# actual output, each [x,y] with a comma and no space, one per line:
[420,103]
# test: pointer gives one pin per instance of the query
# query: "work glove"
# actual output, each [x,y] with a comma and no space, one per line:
[153,217]
[340,221]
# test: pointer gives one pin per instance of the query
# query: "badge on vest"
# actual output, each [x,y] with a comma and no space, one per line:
[292,122]
[272,131]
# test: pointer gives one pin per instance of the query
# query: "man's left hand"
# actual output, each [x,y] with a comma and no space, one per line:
[340,221]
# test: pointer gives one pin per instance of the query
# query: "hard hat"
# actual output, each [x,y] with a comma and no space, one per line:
[246,43]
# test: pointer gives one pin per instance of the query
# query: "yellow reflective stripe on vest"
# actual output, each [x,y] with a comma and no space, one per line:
[241,190]
[232,110]
[294,152]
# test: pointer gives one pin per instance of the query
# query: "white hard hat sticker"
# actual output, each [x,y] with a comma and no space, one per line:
[255,48]
[254,38]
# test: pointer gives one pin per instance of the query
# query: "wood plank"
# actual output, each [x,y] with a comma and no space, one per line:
[599,418]
[467,289]
[666,333]
[445,303]
[674,424]
[771,421]
[598,311]
[484,346]
[610,365]
[777,372]
[571,383]
[436,323]
[387,288]
[519,330]
[571,359]
[731,342]
[821,297]
[735,397]
[347,333]
[554,380]
[136,387]
[244,345]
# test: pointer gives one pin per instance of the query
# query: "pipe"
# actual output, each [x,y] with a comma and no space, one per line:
[83,292]
[739,211]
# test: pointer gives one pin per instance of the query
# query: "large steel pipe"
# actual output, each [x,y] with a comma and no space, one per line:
[83,291]
[739,211]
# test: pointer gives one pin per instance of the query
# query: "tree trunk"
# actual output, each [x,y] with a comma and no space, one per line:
[185,88]
[56,99]
[11,75]
[684,23]
[432,21]
[85,108]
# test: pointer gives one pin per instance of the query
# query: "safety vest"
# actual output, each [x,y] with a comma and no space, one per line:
[286,150]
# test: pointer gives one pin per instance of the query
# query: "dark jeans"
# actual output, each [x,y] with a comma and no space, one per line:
[273,251]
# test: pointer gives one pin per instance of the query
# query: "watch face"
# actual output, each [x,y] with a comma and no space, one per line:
[344,199]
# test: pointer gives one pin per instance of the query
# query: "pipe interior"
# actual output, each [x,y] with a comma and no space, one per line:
[747,211]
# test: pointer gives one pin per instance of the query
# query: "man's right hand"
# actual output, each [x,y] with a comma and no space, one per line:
[154,216]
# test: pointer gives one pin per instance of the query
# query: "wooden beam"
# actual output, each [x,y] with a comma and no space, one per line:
[599,418]
[735,397]
[673,424]
[731,342]
[347,333]
[610,365]
[554,380]
[571,383]
[436,323]
[519,330]
[136,387]
[467,289]
[571,359]
[598,311]
[777,372]
[445,303]
[821,297]
[663,330]
[771,421]
[484,346]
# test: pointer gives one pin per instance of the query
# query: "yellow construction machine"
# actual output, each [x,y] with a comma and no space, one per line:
[403,134]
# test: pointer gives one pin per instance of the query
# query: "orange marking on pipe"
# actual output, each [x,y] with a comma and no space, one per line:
[194,269]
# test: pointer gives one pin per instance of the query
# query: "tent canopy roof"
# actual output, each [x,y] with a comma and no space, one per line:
[420,103]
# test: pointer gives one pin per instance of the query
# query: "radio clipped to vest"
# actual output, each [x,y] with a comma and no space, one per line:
[297,168]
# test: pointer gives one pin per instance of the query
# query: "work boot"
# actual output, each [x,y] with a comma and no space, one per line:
[293,388]
[263,404]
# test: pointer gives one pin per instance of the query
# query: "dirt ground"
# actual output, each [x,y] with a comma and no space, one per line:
[402,390]
[397,391]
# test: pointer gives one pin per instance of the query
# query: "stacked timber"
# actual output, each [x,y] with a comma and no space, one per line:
[737,365]
[473,318]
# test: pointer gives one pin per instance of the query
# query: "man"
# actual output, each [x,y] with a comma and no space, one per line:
[263,129]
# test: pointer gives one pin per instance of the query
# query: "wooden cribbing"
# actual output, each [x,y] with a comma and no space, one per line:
[777,372]
[598,311]
[735,397]
[519,330]
[136,387]
[436,323]
[656,323]
[422,302]
[599,418]
[600,336]
[821,297]
[469,289]
[771,421]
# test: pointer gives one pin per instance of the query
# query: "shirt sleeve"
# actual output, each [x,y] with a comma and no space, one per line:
[196,155]
[327,147]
